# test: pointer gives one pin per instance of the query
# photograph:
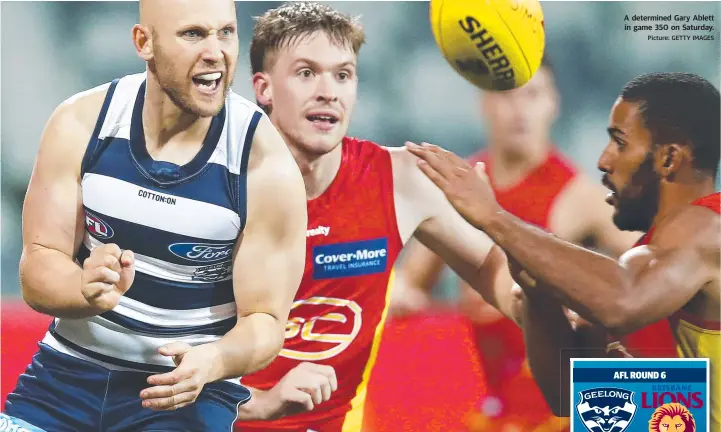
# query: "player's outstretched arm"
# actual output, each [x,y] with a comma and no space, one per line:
[622,298]
[53,221]
[468,251]
[270,257]
[646,285]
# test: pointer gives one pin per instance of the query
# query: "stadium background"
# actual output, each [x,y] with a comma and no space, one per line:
[51,50]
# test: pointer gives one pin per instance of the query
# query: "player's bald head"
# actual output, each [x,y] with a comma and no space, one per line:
[159,14]
[183,40]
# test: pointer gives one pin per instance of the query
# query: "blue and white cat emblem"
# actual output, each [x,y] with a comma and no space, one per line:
[606,409]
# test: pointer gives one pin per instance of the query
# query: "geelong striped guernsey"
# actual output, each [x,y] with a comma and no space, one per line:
[181,222]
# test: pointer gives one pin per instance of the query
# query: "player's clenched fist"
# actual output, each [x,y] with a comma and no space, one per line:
[107,273]
[300,390]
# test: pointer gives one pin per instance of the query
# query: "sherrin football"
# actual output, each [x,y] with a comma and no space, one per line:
[494,44]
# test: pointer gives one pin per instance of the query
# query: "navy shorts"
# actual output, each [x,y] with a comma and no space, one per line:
[61,393]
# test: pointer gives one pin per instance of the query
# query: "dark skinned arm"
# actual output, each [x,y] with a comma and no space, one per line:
[654,283]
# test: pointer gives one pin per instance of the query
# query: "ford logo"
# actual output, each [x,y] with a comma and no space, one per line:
[202,252]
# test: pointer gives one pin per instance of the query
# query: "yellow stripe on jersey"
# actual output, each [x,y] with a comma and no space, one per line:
[697,342]
[354,419]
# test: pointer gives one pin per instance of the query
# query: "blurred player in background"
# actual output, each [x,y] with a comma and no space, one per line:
[660,165]
[153,233]
[534,181]
[364,202]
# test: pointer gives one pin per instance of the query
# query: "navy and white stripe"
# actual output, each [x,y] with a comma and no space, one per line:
[181,222]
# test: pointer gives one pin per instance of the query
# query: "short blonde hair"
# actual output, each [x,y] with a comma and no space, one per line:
[280,27]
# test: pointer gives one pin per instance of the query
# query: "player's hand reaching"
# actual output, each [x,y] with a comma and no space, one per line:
[300,390]
[182,386]
[467,188]
[107,274]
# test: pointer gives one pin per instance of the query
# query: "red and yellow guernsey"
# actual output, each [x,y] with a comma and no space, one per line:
[342,303]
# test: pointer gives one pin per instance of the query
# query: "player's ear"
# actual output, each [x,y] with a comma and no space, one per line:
[262,88]
[669,159]
[143,42]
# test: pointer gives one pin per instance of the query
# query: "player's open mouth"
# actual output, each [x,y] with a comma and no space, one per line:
[611,198]
[208,82]
[322,120]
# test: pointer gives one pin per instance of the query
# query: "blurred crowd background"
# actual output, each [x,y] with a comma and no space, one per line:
[51,50]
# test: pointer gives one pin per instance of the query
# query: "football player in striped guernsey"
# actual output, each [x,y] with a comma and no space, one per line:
[154,233]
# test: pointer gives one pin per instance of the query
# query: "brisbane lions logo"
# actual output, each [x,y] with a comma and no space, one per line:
[606,409]
[672,417]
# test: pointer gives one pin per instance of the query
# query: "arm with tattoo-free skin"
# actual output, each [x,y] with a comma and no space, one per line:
[646,285]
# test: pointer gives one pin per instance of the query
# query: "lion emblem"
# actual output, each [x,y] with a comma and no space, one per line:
[672,417]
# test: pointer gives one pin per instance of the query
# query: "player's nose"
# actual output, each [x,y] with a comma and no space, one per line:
[326,90]
[212,50]
[605,161]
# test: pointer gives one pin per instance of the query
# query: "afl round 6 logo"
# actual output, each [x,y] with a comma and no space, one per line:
[97,227]
[330,323]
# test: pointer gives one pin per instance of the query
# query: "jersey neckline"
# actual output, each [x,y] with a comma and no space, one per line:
[162,172]
[330,191]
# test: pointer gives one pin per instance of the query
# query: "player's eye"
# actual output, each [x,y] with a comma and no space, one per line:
[305,73]
[191,34]
[226,32]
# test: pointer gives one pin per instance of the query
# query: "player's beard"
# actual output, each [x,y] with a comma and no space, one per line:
[178,90]
[637,203]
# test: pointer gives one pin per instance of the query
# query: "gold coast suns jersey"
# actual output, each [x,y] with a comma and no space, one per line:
[342,302]
[702,338]
[698,338]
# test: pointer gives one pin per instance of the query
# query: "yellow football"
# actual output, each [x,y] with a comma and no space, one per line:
[494,44]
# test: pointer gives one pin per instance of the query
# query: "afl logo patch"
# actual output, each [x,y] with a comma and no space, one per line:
[202,252]
[97,227]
